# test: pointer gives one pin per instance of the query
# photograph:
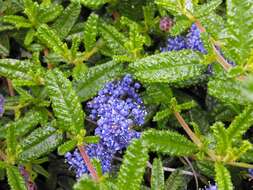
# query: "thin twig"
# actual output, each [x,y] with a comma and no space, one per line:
[88,163]
[166,169]
[10,87]
[2,155]
[193,171]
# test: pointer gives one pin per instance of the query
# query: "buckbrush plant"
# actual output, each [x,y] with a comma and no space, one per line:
[126,95]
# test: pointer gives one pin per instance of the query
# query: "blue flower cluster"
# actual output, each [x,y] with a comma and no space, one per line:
[211,187]
[250,171]
[2,100]
[191,41]
[117,109]
[94,151]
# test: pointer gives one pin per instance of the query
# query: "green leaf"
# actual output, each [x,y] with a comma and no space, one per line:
[223,142]
[239,38]
[11,142]
[173,6]
[4,45]
[247,156]
[171,67]
[179,26]
[206,168]
[114,40]
[96,78]
[90,32]
[207,8]
[136,39]
[15,179]
[157,93]
[133,167]
[149,15]
[67,19]
[176,181]
[168,142]
[240,124]
[228,91]
[18,21]
[52,40]
[29,37]
[160,115]
[15,69]
[75,46]
[31,9]
[65,102]
[25,124]
[49,13]
[222,177]
[92,4]
[157,178]
[66,147]
[39,143]
[86,183]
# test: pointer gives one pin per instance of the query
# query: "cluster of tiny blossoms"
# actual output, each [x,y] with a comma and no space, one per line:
[191,41]
[1,105]
[117,109]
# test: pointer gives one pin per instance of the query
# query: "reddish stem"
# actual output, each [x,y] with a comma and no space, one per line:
[88,163]
[187,129]
[49,65]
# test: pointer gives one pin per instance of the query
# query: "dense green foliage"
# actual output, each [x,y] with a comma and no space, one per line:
[57,55]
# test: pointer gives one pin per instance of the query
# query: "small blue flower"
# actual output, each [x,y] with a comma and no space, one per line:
[250,171]
[2,101]
[211,187]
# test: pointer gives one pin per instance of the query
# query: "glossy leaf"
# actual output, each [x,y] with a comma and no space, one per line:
[67,19]
[240,124]
[66,147]
[133,167]
[17,21]
[228,91]
[92,4]
[168,142]
[170,67]
[42,143]
[222,177]
[114,40]
[15,180]
[65,102]
[90,32]
[15,69]
[52,40]
[239,38]
[176,181]
[95,79]
[27,123]
[157,178]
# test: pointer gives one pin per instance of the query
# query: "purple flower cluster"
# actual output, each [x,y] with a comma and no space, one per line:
[117,109]
[191,41]
[1,105]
